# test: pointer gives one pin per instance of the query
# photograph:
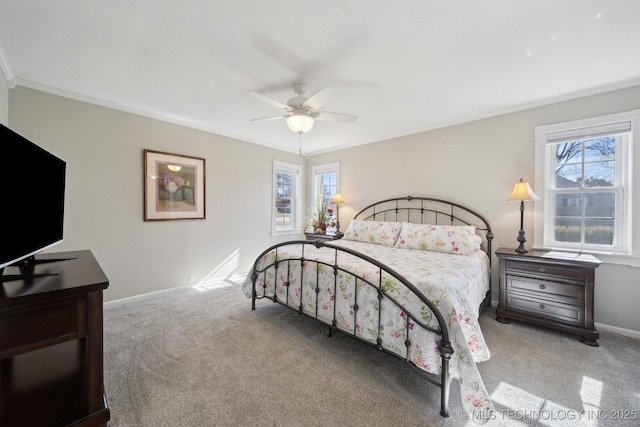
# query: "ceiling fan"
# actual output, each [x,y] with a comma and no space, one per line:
[302,111]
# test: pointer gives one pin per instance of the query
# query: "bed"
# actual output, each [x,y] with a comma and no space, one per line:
[410,276]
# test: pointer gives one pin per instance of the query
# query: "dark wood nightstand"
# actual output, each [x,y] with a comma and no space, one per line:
[548,288]
[327,237]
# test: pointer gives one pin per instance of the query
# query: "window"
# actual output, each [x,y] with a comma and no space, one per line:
[586,191]
[326,180]
[286,198]
[584,170]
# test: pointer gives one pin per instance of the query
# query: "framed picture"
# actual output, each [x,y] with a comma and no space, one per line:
[173,186]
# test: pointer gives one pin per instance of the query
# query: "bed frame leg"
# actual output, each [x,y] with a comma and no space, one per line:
[254,294]
[444,390]
[446,351]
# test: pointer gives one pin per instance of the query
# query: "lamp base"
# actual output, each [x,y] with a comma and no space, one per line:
[522,238]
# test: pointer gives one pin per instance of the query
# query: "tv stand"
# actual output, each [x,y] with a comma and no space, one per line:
[51,356]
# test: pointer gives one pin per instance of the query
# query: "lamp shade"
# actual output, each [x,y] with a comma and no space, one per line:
[300,123]
[521,192]
[174,168]
[337,198]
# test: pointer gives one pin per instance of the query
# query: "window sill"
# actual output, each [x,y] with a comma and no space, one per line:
[605,257]
[286,232]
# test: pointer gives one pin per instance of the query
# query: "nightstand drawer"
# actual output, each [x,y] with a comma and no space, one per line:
[552,270]
[544,288]
[562,312]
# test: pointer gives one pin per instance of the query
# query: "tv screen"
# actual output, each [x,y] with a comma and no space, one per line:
[32,190]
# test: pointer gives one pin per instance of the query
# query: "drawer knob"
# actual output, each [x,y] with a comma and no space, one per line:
[541,306]
[542,286]
[541,269]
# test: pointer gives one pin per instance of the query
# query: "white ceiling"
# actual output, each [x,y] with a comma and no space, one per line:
[401,66]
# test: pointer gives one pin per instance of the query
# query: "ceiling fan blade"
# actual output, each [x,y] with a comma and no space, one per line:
[268,118]
[269,100]
[320,98]
[333,117]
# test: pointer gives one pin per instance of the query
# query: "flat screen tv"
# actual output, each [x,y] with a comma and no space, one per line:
[32,192]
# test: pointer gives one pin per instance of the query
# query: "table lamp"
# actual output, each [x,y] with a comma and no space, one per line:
[522,192]
[337,200]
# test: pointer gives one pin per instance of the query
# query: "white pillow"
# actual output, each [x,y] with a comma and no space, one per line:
[378,232]
[451,239]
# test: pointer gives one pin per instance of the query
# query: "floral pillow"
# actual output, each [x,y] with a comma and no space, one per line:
[378,232]
[452,239]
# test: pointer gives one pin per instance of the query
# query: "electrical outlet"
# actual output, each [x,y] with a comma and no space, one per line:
[192,278]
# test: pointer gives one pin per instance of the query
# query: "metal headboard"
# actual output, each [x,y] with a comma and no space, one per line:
[428,210]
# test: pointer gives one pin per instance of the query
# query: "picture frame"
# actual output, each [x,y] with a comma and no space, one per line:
[174,186]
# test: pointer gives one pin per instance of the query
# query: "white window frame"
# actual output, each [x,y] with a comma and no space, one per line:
[316,174]
[295,227]
[626,248]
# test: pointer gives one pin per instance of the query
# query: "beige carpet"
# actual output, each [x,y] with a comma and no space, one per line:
[201,357]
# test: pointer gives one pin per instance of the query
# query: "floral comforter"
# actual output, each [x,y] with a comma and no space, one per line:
[456,284]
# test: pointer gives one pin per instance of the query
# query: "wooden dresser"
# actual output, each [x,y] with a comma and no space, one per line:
[51,360]
[548,288]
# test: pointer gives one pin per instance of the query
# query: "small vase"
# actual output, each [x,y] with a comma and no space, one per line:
[321,228]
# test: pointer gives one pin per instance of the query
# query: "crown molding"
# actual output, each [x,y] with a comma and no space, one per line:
[143,113]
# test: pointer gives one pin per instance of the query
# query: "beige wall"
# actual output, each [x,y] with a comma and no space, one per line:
[103,149]
[476,164]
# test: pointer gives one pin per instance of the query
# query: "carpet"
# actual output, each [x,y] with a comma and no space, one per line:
[201,357]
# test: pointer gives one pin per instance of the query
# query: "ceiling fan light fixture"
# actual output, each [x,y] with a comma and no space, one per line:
[300,123]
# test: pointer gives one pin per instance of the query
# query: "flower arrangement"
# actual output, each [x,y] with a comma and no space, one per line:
[171,182]
[322,216]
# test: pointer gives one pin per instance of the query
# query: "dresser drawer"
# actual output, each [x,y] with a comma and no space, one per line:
[566,313]
[53,321]
[551,270]
[573,294]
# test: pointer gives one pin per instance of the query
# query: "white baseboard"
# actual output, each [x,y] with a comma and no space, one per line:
[620,331]
[212,282]
[143,296]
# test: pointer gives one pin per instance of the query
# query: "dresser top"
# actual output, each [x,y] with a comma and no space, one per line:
[65,272]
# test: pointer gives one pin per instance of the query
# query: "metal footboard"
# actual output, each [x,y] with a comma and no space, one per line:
[444,345]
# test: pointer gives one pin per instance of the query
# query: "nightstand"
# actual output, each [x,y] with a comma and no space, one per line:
[548,288]
[326,237]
